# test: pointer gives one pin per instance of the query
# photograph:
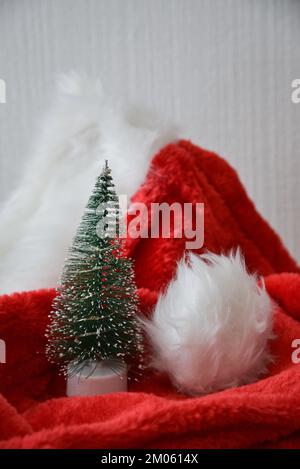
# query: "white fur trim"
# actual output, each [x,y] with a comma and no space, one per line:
[210,329]
[82,130]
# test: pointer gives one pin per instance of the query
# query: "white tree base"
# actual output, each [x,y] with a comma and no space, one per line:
[97,378]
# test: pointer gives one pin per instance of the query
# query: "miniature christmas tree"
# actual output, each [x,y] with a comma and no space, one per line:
[94,315]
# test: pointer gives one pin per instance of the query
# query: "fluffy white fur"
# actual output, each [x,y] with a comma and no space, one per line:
[210,330]
[84,128]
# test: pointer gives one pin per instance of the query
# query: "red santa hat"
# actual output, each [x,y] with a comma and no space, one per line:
[211,324]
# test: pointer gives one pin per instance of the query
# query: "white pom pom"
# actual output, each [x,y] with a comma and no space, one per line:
[210,329]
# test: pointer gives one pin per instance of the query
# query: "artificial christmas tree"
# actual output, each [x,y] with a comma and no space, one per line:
[94,330]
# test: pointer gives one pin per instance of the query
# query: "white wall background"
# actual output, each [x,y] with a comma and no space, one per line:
[220,68]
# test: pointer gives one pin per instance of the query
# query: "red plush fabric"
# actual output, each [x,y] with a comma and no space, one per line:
[33,410]
[182,173]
